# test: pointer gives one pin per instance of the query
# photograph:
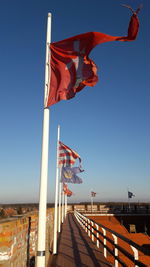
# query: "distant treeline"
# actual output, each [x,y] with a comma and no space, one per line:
[24,205]
[50,205]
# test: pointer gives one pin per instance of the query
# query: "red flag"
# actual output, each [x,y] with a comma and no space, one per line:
[65,188]
[67,191]
[67,156]
[72,69]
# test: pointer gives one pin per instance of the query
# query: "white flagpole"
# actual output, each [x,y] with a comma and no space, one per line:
[62,217]
[92,204]
[64,208]
[59,213]
[91,201]
[65,205]
[56,196]
[44,161]
[128,199]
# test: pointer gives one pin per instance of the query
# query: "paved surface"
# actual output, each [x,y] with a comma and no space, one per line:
[75,248]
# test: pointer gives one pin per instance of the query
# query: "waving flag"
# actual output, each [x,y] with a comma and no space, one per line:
[93,194]
[69,193]
[71,67]
[130,194]
[66,190]
[68,175]
[67,156]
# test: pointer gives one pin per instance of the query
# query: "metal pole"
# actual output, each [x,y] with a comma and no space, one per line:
[56,196]
[91,204]
[65,205]
[59,213]
[62,207]
[44,161]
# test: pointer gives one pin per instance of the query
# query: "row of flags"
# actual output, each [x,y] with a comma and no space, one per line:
[68,70]
[67,158]
[130,194]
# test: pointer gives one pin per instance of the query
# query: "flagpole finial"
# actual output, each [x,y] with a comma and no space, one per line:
[49,14]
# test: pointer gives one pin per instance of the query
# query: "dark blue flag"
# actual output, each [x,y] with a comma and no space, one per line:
[68,175]
[130,194]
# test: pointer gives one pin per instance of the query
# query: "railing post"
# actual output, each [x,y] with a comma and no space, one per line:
[116,250]
[92,231]
[84,224]
[136,254]
[97,234]
[88,227]
[105,250]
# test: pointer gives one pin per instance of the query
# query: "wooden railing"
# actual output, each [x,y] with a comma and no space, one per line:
[101,234]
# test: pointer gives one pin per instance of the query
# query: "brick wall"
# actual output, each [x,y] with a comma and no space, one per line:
[18,239]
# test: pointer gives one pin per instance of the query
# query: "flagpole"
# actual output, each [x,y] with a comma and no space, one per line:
[129,203]
[128,199]
[91,201]
[56,196]
[59,213]
[92,204]
[44,161]
[65,205]
[62,217]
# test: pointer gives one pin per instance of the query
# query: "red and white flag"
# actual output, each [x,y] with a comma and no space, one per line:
[71,67]
[93,194]
[67,156]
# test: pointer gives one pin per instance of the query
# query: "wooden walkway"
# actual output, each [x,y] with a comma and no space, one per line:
[75,248]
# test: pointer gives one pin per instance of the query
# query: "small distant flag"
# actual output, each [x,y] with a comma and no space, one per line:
[68,175]
[67,156]
[130,194]
[71,67]
[93,194]
[66,190]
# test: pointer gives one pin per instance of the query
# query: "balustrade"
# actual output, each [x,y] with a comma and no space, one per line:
[93,230]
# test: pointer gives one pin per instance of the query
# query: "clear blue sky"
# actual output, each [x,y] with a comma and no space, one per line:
[108,125]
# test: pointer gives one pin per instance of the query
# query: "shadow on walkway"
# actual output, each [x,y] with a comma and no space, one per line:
[75,248]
